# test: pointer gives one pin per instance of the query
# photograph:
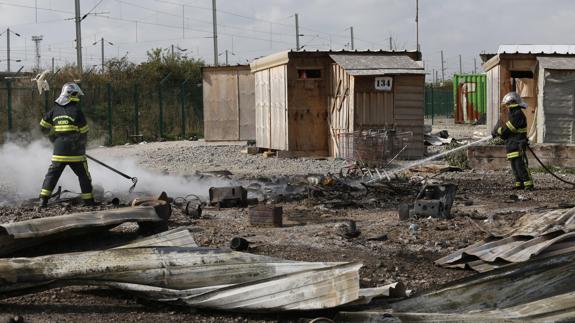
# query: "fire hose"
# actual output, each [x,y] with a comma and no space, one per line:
[133,179]
[548,170]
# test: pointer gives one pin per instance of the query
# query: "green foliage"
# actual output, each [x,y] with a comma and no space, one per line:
[129,84]
[458,158]
[496,142]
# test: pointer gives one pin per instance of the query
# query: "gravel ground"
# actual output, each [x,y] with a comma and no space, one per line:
[187,157]
[309,232]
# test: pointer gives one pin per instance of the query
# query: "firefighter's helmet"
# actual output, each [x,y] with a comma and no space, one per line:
[512,99]
[70,93]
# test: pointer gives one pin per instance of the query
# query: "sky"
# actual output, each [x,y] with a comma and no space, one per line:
[249,29]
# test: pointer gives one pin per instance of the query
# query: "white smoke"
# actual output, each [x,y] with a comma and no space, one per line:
[23,167]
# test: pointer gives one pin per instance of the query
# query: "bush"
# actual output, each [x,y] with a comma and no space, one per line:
[129,84]
[458,158]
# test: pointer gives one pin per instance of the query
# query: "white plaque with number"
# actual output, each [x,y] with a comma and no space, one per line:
[383,83]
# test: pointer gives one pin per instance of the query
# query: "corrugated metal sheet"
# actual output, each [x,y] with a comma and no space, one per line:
[179,237]
[556,63]
[536,49]
[197,277]
[25,234]
[409,96]
[558,106]
[535,236]
[470,97]
[540,290]
[552,309]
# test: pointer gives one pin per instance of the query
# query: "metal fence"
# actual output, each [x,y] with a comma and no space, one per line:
[438,102]
[373,147]
[117,112]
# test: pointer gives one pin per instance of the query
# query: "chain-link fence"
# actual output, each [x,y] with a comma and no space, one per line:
[438,102]
[117,111]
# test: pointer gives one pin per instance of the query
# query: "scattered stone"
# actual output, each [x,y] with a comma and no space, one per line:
[382,237]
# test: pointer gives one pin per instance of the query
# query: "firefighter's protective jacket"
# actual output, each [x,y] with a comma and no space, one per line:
[67,128]
[513,131]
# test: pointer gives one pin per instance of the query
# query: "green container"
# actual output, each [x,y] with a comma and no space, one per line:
[470,98]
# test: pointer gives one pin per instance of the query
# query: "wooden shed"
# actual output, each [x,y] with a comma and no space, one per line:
[307,102]
[229,106]
[544,76]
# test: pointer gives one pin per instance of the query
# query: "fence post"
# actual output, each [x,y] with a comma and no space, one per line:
[136,111]
[47,93]
[110,114]
[432,104]
[183,116]
[46,102]
[160,97]
[9,103]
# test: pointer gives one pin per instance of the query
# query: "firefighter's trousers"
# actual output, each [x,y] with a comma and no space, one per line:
[519,166]
[55,171]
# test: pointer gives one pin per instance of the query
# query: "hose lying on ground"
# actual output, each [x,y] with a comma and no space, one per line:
[548,170]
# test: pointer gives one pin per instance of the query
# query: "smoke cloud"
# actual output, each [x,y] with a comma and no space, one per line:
[23,167]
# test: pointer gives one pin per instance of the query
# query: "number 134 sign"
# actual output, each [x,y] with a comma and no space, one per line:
[383,83]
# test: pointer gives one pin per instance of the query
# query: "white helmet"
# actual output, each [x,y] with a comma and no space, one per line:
[513,99]
[70,92]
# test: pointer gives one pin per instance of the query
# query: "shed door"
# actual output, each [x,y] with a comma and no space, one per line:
[559,106]
[374,109]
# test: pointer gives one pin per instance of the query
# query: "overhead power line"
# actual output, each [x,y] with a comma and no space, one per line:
[35,8]
[199,20]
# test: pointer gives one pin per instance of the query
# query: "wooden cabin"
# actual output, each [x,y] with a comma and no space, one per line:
[307,103]
[229,106]
[544,76]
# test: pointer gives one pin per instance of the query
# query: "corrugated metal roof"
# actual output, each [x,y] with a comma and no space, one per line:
[377,64]
[536,49]
[557,63]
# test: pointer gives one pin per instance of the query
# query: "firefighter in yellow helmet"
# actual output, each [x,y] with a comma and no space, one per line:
[66,126]
[514,132]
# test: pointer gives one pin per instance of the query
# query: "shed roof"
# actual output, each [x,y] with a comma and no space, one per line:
[377,64]
[536,49]
[557,63]
[356,60]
